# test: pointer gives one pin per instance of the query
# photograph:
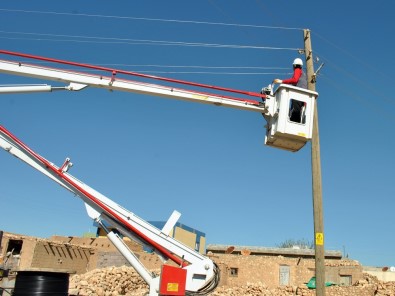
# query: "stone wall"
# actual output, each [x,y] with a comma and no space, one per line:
[237,270]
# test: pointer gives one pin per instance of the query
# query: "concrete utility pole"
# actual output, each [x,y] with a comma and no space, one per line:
[316,175]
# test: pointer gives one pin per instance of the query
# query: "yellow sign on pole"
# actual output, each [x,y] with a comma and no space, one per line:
[319,238]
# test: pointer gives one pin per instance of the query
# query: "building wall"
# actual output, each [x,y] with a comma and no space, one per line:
[37,253]
[189,236]
[202,245]
[383,274]
[108,259]
[343,273]
[20,258]
[238,270]
[49,255]
[102,244]
[65,253]
[107,255]
[186,237]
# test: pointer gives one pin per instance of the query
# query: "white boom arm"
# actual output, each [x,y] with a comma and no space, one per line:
[201,271]
[79,80]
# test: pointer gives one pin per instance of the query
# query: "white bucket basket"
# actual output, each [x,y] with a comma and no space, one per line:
[290,117]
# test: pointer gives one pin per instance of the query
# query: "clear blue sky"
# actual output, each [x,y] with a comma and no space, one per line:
[153,155]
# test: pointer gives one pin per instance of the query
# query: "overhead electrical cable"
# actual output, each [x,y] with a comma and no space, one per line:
[228,16]
[363,85]
[147,19]
[366,101]
[362,62]
[178,66]
[111,40]
[141,41]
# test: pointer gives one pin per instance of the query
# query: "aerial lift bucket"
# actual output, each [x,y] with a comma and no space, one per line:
[290,117]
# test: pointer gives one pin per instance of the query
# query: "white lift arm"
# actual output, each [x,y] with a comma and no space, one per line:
[201,272]
[79,80]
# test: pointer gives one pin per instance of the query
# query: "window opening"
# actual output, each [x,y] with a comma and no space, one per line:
[233,271]
[345,280]
[284,275]
[297,111]
[14,246]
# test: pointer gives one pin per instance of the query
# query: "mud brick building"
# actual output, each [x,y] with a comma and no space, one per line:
[279,266]
[239,265]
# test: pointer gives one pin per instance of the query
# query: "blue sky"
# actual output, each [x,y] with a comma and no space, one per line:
[153,155]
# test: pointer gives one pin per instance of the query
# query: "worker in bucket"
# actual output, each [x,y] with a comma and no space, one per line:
[298,79]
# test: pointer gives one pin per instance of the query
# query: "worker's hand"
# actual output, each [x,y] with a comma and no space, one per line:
[277,81]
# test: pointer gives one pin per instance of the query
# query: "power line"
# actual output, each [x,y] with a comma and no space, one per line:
[111,40]
[367,86]
[380,110]
[190,72]
[148,19]
[228,16]
[350,54]
[106,40]
[181,66]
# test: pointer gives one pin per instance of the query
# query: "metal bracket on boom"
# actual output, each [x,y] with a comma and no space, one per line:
[112,78]
[73,86]
[66,166]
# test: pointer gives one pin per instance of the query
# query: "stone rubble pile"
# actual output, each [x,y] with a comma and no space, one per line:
[110,281]
[381,288]
[261,290]
[117,281]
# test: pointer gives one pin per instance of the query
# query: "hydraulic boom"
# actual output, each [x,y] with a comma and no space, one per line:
[201,272]
[109,80]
